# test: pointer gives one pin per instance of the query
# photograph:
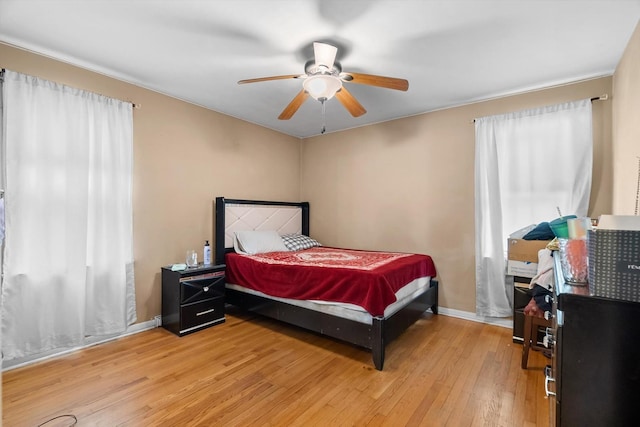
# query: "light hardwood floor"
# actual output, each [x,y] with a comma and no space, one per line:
[254,371]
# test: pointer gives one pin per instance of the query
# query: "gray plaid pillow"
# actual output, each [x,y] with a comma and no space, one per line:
[297,242]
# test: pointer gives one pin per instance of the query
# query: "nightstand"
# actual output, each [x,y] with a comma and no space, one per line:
[192,299]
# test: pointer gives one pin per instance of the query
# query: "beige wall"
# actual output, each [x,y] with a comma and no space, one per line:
[408,184]
[626,128]
[404,185]
[184,156]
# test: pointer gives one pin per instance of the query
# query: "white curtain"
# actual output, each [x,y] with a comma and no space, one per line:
[68,260]
[528,165]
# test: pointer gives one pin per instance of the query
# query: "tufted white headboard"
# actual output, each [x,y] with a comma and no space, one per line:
[240,215]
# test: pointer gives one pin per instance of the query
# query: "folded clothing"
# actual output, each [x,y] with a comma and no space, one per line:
[542,231]
[538,304]
[544,273]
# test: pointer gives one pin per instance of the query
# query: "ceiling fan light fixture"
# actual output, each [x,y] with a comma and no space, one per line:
[325,54]
[322,87]
[323,79]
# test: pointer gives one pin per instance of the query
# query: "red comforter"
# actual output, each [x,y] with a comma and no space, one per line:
[364,278]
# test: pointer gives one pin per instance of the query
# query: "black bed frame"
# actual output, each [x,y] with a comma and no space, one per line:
[373,337]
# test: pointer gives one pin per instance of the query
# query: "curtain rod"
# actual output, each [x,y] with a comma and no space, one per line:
[134,105]
[603,97]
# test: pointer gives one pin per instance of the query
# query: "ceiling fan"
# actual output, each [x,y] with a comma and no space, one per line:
[324,79]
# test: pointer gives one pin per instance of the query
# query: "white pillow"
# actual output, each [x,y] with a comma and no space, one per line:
[258,242]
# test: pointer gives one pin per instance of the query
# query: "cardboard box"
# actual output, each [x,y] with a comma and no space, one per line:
[522,269]
[522,256]
[525,250]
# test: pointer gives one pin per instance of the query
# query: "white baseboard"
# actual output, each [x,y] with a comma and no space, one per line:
[505,322]
[90,342]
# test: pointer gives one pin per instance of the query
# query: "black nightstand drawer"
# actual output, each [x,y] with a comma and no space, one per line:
[200,314]
[202,287]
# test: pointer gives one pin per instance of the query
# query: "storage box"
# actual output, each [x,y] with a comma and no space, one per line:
[614,264]
[522,268]
[522,256]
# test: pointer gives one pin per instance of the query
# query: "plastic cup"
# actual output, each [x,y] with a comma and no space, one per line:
[192,258]
[573,260]
[559,226]
[578,227]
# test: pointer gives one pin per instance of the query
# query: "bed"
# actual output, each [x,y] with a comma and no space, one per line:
[401,286]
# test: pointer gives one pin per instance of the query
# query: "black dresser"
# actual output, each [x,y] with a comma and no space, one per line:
[594,378]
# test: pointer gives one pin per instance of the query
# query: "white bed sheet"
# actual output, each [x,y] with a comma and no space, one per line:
[353,312]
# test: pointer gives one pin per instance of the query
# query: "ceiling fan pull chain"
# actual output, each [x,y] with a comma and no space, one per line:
[324,127]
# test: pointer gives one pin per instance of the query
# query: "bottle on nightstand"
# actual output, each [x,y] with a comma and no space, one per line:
[207,253]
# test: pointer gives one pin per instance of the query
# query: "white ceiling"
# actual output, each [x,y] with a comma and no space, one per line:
[452,52]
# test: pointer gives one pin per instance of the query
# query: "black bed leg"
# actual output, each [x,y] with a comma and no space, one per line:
[434,307]
[377,345]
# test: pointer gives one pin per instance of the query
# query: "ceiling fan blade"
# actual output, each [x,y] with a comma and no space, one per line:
[350,103]
[293,106]
[371,80]
[325,54]
[264,79]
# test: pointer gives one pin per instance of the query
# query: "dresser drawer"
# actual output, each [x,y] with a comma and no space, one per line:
[200,314]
